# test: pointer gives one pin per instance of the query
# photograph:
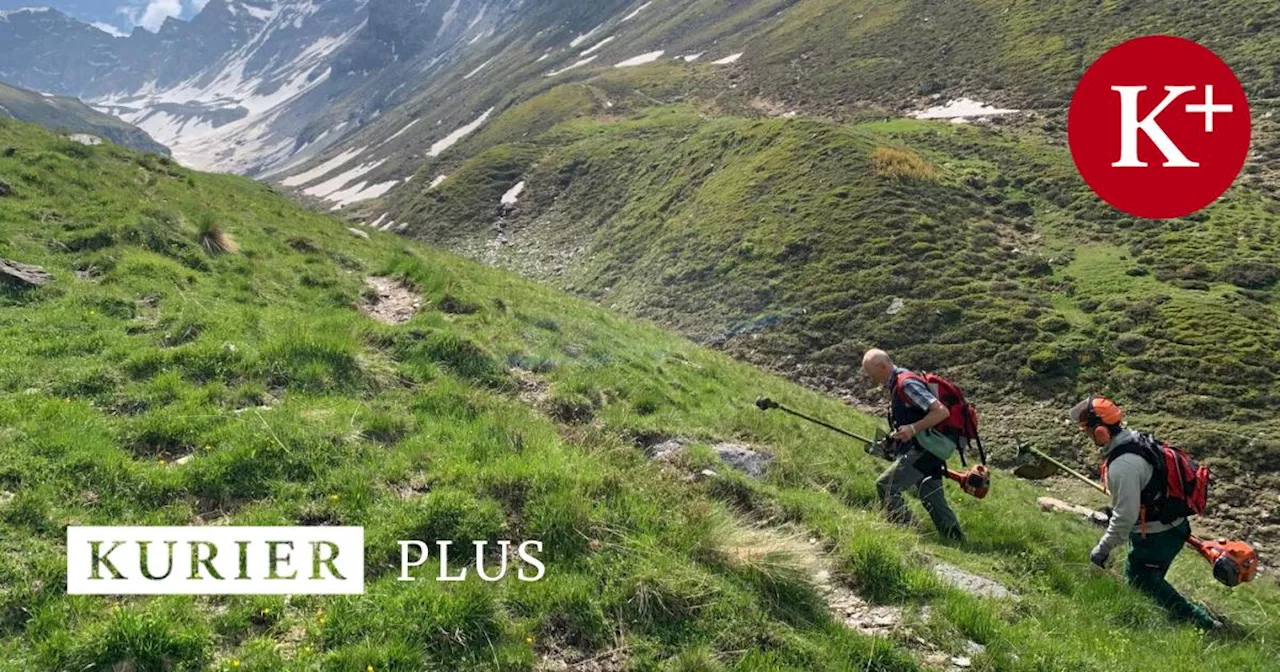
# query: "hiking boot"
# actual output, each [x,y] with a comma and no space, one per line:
[954,534]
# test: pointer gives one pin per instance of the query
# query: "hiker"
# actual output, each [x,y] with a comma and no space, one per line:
[921,450]
[1152,545]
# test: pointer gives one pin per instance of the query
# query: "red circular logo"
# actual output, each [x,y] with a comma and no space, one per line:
[1159,127]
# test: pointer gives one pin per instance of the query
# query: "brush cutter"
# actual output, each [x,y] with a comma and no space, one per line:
[1233,562]
[975,481]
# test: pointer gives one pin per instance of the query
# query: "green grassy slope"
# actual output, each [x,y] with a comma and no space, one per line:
[783,242]
[72,116]
[502,410]
[1029,52]
[677,192]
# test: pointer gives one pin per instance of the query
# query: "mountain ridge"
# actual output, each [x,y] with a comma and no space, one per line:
[72,116]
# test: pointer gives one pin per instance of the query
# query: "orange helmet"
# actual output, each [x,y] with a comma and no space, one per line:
[1105,411]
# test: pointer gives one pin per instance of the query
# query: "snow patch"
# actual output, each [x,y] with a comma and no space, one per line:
[453,138]
[401,131]
[322,169]
[331,186]
[241,78]
[633,15]
[727,59]
[596,48]
[578,64]
[513,194]
[473,73]
[584,37]
[437,182]
[641,59]
[689,58]
[542,57]
[23,10]
[260,13]
[360,192]
[109,29]
[377,221]
[961,108]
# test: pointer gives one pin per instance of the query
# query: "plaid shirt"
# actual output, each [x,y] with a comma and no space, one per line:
[913,388]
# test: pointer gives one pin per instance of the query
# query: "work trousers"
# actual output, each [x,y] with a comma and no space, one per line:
[926,477]
[1149,560]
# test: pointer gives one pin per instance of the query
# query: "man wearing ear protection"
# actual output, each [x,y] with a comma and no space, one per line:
[1152,545]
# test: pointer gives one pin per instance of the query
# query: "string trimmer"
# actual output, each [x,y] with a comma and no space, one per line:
[1233,562]
[975,481]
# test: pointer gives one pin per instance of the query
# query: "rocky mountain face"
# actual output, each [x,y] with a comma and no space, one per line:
[248,85]
[69,115]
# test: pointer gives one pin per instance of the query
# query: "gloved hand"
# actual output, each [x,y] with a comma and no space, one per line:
[1099,555]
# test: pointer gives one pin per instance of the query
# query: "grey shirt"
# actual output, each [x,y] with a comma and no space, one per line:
[1126,477]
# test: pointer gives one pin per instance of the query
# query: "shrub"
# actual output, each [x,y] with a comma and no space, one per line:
[1132,344]
[902,163]
[1250,274]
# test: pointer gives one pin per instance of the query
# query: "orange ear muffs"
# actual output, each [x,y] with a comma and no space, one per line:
[1100,414]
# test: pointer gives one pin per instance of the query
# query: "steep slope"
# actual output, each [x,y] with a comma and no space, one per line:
[68,114]
[769,205]
[153,382]
[734,170]
[994,264]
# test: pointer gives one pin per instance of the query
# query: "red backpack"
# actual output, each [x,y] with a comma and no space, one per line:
[1179,485]
[962,423]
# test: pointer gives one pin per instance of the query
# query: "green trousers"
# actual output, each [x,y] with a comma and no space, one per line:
[1149,561]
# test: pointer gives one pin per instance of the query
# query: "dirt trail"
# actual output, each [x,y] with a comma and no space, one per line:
[771,545]
[394,303]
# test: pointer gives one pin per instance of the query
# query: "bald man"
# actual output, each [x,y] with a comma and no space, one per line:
[923,451]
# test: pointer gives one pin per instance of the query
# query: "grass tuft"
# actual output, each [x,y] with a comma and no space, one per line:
[902,163]
[213,237]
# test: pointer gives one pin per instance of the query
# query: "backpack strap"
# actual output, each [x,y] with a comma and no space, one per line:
[1146,447]
[900,383]
[982,452]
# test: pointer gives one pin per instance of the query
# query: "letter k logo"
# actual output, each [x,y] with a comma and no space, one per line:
[1135,130]
[1129,127]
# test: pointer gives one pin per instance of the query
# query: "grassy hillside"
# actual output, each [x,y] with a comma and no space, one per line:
[156,382]
[685,193]
[69,115]
[789,241]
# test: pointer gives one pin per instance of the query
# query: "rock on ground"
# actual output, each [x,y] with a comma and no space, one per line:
[23,273]
[569,659]
[742,458]
[855,613]
[973,584]
[747,460]
[665,451]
